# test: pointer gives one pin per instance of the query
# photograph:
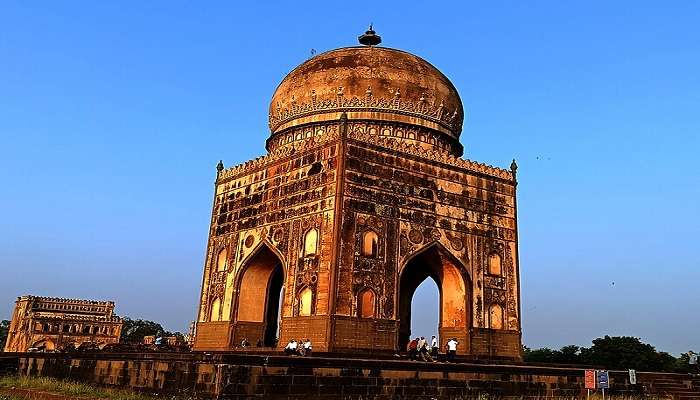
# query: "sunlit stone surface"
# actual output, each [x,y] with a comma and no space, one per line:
[361,197]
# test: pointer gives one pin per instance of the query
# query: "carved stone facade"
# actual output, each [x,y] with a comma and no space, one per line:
[361,197]
[49,323]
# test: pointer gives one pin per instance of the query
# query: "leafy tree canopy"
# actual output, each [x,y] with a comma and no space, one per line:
[612,352]
[133,330]
[4,331]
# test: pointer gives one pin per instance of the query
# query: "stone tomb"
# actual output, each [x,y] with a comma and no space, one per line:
[362,195]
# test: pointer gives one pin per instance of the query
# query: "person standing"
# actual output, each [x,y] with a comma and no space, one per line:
[419,349]
[693,362]
[434,347]
[413,349]
[424,351]
[452,349]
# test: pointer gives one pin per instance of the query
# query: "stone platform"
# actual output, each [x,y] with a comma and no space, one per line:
[273,376]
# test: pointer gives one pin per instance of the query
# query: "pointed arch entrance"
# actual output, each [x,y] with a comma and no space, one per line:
[453,283]
[260,291]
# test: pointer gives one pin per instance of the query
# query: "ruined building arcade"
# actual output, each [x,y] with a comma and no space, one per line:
[51,323]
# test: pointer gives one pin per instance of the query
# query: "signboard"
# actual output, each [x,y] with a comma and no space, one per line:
[590,379]
[633,377]
[603,379]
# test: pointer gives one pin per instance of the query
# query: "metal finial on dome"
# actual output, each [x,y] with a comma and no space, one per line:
[370,38]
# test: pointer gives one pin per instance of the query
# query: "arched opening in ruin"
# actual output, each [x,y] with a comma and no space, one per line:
[366,303]
[451,278]
[259,298]
[425,310]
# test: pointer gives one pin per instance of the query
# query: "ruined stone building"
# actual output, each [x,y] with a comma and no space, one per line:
[362,195]
[49,323]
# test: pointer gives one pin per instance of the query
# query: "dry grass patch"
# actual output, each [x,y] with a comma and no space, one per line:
[67,388]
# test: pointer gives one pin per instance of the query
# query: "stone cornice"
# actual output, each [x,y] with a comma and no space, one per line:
[443,157]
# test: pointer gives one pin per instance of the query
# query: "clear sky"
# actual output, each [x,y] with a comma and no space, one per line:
[114,114]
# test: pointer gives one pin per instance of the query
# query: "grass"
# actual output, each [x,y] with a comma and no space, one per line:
[67,388]
[8,397]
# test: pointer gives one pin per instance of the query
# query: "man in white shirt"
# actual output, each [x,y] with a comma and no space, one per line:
[434,347]
[693,361]
[451,349]
[291,347]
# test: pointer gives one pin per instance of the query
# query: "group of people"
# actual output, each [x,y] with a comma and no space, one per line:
[419,349]
[294,348]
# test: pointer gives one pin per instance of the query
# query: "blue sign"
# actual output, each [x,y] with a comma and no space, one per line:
[603,380]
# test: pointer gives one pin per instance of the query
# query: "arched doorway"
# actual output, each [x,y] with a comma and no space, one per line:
[449,274]
[425,309]
[260,292]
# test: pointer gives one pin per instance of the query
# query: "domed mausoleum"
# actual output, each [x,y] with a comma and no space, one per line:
[362,195]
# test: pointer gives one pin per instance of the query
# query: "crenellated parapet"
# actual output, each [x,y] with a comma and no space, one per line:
[442,157]
[277,154]
[65,300]
[391,143]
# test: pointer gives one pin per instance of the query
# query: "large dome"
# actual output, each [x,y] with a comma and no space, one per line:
[368,83]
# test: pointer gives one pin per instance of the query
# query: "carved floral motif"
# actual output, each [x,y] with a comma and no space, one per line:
[449,119]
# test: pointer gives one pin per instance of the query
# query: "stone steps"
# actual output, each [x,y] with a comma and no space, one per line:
[669,386]
[678,388]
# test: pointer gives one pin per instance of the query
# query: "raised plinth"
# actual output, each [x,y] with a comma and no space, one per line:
[239,376]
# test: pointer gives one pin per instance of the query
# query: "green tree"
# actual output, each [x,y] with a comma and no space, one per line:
[570,354]
[682,364]
[543,355]
[180,337]
[566,355]
[133,330]
[4,331]
[624,352]
[617,352]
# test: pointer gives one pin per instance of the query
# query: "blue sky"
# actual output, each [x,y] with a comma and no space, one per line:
[113,116]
